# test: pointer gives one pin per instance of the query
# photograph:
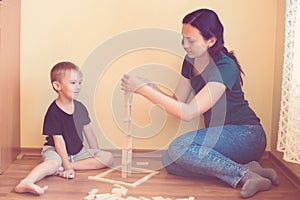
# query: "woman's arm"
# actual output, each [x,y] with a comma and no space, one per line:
[181,93]
[90,136]
[183,90]
[202,102]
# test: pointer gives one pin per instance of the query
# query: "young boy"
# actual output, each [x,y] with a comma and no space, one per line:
[64,124]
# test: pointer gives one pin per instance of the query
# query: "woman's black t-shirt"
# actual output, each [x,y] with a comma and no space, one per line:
[232,107]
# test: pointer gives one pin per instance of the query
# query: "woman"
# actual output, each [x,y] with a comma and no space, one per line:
[233,139]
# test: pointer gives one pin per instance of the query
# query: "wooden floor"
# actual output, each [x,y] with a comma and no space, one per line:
[163,184]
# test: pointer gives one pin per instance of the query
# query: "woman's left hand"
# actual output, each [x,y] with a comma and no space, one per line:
[133,83]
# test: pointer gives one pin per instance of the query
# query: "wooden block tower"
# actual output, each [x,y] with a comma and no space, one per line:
[126,166]
[127,141]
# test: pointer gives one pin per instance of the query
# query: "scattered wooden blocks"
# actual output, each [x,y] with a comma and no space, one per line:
[132,198]
[90,197]
[158,198]
[119,191]
[93,191]
[103,196]
[189,198]
[144,198]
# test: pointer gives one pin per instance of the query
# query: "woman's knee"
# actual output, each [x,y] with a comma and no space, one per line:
[165,159]
[167,162]
[180,145]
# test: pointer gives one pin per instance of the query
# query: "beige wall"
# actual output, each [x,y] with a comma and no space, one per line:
[55,30]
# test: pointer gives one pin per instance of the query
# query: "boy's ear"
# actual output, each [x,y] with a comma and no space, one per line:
[212,41]
[56,85]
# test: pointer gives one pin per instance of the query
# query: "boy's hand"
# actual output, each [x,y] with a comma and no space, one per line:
[68,174]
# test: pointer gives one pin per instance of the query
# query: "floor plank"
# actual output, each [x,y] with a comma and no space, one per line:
[163,184]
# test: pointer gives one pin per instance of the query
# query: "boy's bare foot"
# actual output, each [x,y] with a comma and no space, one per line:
[268,173]
[26,186]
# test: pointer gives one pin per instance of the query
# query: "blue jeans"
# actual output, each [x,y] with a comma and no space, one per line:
[216,151]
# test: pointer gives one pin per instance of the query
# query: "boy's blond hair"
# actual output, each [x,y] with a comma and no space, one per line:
[58,71]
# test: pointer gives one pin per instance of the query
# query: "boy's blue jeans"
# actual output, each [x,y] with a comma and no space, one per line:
[216,151]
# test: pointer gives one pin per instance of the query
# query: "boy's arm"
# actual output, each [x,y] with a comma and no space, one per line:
[60,148]
[90,136]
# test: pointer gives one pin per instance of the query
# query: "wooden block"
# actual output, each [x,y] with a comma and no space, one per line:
[144,179]
[107,172]
[106,180]
[142,163]
[127,160]
[132,198]
[20,156]
[115,198]
[93,191]
[100,177]
[158,198]
[103,196]
[144,198]
[118,186]
[119,191]
[90,197]
[127,140]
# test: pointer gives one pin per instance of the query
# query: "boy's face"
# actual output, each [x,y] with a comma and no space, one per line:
[70,85]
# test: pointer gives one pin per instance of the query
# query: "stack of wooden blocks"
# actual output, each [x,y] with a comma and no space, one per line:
[127,142]
[126,166]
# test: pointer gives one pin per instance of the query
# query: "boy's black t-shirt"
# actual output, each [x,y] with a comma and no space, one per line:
[70,126]
[232,107]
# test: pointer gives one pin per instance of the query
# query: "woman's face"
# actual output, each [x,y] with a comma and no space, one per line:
[194,43]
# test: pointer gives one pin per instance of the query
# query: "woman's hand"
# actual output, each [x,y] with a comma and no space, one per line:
[133,83]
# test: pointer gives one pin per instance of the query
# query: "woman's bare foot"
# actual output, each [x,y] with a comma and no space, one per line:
[26,186]
[253,183]
[268,173]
